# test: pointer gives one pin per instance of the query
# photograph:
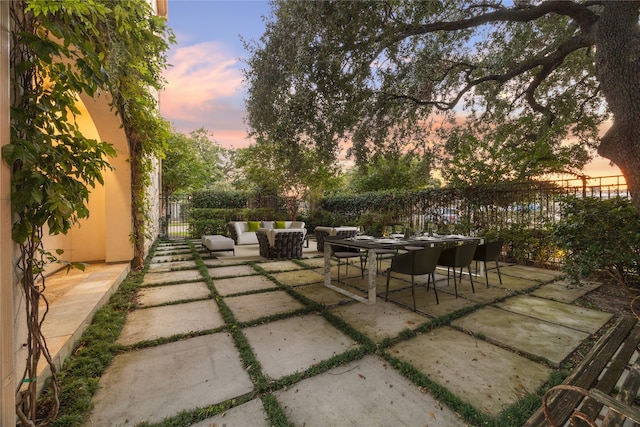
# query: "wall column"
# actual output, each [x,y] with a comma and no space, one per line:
[7,362]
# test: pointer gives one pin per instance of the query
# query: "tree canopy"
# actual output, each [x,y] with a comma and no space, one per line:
[533,77]
[191,162]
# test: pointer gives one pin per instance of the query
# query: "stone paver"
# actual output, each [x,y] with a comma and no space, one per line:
[321,294]
[157,382]
[286,346]
[171,258]
[531,273]
[364,392]
[564,292]
[280,266]
[296,278]
[379,321]
[236,270]
[426,300]
[237,285]
[254,306]
[165,321]
[168,266]
[157,295]
[571,316]
[248,414]
[173,276]
[550,341]
[487,376]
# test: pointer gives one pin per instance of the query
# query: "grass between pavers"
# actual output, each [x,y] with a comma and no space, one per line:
[82,371]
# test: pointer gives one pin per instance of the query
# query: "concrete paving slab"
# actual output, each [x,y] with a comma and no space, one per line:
[237,270]
[280,266]
[314,262]
[484,295]
[236,285]
[165,321]
[379,321]
[517,284]
[386,399]
[532,273]
[485,375]
[250,414]
[157,295]
[579,318]
[563,291]
[169,266]
[286,346]
[297,278]
[426,301]
[172,251]
[254,306]
[523,333]
[321,294]
[171,276]
[171,258]
[158,382]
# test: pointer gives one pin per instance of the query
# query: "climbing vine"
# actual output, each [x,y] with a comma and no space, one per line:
[60,49]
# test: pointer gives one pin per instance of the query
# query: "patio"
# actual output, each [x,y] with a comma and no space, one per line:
[325,358]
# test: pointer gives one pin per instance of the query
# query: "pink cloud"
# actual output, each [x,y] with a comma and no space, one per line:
[204,89]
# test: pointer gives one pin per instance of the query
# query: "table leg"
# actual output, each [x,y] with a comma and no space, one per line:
[327,264]
[373,266]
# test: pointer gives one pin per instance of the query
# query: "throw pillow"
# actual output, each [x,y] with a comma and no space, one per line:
[281,224]
[254,225]
[267,224]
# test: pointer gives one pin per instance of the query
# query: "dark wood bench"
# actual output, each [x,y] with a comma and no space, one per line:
[603,385]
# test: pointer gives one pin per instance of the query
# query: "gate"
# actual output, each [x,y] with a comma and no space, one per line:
[176,210]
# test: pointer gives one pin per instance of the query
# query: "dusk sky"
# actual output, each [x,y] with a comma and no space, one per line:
[204,83]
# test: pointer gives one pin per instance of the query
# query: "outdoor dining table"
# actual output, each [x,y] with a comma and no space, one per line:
[371,243]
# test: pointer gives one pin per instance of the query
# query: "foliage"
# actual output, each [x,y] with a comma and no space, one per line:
[218,199]
[600,235]
[290,171]
[497,157]
[204,221]
[521,75]
[61,50]
[393,172]
[190,162]
[136,41]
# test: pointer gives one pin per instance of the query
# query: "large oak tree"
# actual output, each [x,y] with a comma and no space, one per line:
[539,77]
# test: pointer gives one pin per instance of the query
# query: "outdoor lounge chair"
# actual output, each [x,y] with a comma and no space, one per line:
[280,243]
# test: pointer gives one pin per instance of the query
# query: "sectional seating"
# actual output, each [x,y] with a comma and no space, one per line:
[244,232]
[284,243]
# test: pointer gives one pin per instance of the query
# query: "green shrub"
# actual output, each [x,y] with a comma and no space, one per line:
[599,235]
[218,199]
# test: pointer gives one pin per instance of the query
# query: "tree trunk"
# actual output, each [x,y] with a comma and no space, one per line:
[618,70]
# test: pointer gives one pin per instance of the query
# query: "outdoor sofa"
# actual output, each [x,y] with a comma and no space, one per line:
[244,232]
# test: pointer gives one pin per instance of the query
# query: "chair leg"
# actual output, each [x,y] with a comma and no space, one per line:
[455,283]
[499,274]
[435,291]
[470,279]
[413,293]
[486,273]
[386,294]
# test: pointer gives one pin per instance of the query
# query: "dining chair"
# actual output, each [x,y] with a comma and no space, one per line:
[416,263]
[459,256]
[489,251]
[381,254]
[344,252]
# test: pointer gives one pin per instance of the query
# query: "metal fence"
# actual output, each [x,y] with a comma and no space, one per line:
[528,204]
